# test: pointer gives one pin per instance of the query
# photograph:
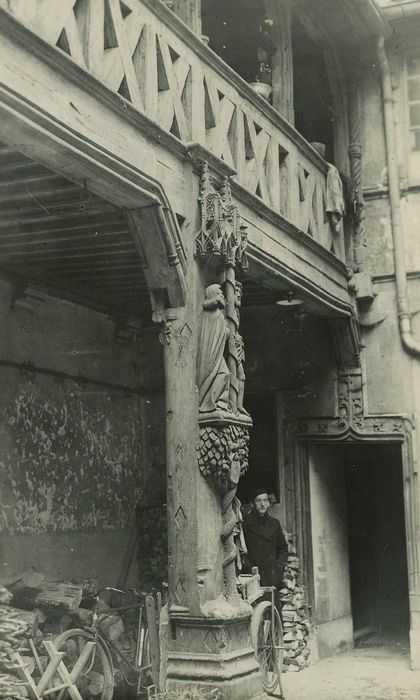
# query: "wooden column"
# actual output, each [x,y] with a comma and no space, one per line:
[205,641]
[178,334]
[280,11]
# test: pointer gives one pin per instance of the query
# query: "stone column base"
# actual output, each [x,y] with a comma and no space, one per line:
[213,653]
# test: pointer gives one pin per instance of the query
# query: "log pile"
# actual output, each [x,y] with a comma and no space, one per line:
[295,618]
[33,609]
[28,602]
[16,626]
[153,547]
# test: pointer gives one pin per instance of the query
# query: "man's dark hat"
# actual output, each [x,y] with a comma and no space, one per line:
[258,492]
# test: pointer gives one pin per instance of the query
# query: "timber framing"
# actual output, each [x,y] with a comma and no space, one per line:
[56,112]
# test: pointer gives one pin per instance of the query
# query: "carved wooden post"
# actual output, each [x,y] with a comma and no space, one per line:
[207,452]
[355,155]
[178,336]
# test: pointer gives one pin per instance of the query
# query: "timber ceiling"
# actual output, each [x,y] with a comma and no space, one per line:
[56,235]
[59,238]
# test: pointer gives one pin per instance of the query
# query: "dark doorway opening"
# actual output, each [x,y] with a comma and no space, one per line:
[314,114]
[358,542]
[377,542]
[234,32]
[263,453]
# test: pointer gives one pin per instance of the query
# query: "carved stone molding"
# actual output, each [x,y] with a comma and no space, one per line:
[351,421]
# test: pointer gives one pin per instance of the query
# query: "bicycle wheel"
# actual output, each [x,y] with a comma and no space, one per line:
[96,680]
[267,640]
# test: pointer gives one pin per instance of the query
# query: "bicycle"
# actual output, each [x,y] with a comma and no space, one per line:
[94,660]
[266,631]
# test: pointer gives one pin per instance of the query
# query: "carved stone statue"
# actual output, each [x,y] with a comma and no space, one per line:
[213,376]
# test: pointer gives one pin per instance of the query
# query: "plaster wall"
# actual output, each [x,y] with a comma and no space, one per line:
[388,368]
[71,449]
[372,129]
[378,225]
[375,177]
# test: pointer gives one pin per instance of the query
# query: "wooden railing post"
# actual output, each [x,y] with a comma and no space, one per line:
[280,11]
[189,11]
[293,186]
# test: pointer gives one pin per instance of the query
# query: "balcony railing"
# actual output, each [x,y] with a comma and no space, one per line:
[140,50]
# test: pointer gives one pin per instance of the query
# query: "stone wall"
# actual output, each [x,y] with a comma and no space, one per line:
[71,440]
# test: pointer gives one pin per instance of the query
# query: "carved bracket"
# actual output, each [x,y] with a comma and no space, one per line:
[222,235]
[163,319]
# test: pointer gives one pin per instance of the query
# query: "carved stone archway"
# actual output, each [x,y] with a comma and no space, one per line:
[350,425]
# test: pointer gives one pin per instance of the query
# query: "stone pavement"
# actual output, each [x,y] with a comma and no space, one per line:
[372,673]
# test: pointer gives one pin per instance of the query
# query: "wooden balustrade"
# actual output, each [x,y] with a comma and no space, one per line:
[138,49]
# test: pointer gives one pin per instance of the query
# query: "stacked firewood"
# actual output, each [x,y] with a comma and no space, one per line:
[15,628]
[27,601]
[153,547]
[295,620]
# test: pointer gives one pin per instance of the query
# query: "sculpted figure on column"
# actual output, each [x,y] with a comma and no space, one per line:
[213,373]
[240,354]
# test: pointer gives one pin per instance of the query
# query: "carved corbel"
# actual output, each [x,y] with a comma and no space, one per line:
[163,319]
[222,236]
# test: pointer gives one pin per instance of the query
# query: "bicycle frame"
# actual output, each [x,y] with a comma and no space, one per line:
[109,645]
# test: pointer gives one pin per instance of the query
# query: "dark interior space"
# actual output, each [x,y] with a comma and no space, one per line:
[314,115]
[377,542]
[234,31]
[263,447]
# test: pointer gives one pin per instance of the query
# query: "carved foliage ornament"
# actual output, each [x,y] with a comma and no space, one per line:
[221,234]
[223,459]
[223,454]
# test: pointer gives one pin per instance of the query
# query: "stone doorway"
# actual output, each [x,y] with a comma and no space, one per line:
[359,569]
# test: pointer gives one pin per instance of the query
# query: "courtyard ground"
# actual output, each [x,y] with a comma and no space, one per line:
[368,673]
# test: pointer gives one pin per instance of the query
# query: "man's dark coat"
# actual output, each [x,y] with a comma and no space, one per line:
[267,547]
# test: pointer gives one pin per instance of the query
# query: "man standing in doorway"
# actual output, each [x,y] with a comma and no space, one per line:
[266,543]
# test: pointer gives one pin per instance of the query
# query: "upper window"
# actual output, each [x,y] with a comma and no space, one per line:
[413,91]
